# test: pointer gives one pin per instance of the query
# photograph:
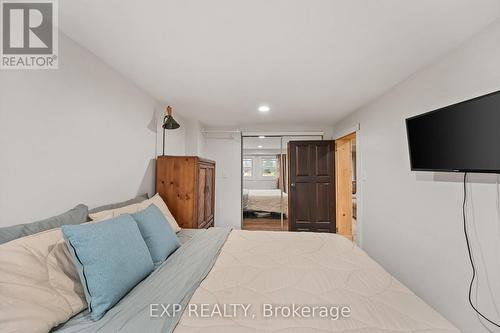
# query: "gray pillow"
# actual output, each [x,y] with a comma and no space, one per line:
[76,215]
[135,200]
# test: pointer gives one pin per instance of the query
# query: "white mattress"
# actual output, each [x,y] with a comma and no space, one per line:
[267,201]
[259,267]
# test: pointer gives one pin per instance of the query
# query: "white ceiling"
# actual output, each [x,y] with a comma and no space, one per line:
[312,61]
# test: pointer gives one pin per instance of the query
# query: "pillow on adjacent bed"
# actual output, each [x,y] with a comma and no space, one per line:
[111,257]
[134,208]
[157,233]
[39,285]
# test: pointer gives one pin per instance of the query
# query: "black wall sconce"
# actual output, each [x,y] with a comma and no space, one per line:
[169,123]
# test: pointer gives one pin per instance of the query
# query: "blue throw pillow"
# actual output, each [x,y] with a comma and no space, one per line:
[157,233]
[111,258]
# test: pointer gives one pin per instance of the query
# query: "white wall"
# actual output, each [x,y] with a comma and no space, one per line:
[79,134]
[195,142]
[181,141]
[226,152]
[411,222]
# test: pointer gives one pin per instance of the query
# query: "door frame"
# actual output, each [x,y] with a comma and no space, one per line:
[342,164]
[360,178]
[268,134]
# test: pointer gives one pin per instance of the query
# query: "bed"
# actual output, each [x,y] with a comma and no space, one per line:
[265,201]
[218,266]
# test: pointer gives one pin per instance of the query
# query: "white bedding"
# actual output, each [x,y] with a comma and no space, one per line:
[267,201]
[257,267]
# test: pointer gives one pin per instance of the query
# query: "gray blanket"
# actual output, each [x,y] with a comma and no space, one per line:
[173,282]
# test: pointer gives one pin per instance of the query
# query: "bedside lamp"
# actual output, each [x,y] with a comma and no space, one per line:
[169,123]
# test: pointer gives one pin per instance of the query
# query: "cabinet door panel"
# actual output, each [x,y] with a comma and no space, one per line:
[202,175]
[209,213]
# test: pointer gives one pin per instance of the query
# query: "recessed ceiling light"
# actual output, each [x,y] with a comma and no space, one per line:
[259,146]
[264,108]
[262,137]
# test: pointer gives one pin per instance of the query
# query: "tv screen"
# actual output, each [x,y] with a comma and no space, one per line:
[463,137]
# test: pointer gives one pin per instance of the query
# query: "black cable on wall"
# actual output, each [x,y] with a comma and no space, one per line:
[466,232]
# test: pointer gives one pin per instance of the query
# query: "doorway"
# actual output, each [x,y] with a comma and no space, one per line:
[265,184]
[264,201]
[346,191]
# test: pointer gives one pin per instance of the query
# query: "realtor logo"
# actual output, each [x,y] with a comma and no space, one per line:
[29,34]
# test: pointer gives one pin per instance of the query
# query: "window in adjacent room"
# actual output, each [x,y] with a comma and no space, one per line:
[269,167]
[247,167]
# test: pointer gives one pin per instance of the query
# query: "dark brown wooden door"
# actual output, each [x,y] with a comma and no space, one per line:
[312,186]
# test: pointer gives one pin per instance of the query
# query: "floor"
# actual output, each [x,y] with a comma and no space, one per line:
[266,224]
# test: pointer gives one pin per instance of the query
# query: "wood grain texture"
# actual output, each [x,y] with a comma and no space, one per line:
[187,185]
[344,172]
[312,186]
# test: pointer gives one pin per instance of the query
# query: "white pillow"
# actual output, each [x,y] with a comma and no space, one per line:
[158,202]
[134,208]
[39,285]
[107,214]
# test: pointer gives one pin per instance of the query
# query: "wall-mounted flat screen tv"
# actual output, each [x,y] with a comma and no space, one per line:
[463,137]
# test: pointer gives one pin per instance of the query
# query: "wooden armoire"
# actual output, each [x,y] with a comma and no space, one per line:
[187,185]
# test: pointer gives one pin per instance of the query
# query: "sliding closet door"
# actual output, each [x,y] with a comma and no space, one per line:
[262,198]
[312,186]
